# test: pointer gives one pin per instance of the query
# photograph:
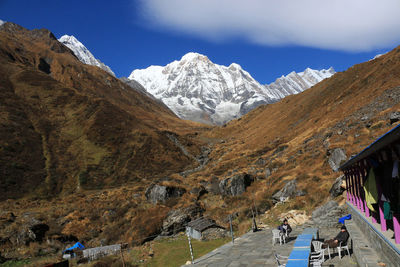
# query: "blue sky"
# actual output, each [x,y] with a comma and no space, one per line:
[132,34]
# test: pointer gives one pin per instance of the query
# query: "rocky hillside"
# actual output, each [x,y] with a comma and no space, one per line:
[66,125]
[197,89]
[293,147]
[86,157]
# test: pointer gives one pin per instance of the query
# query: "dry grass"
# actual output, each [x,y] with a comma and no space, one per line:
[95,145]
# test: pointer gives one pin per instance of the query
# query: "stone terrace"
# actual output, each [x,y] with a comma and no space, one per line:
[256,249]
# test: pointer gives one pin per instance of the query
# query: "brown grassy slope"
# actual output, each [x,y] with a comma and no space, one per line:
[66,125]
[293,138]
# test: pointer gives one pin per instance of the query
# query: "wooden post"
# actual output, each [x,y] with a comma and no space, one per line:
[254,221]
[230,223]
[122,256]
[364,173]
[396,228]
[355,186]
[358,184]
[360,179]
[380,208]
[190,245]
[346,175]
[352,187]
[255,207]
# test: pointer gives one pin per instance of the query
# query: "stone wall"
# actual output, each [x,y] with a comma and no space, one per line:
[388,254]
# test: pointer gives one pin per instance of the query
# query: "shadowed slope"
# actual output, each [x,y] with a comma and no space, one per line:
[65,124]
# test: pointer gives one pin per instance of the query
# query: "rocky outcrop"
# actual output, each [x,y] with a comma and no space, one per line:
[267,172]
[160,193]
[295,217]
[328,214]
[198,191]
[214,233]
[394,117]
[288,191]
[177,220]
[32,230]
[336,158]
[235,185]
[338,187]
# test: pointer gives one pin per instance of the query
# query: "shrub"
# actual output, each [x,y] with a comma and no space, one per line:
[83,177]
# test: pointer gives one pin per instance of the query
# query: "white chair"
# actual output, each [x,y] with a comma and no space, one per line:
[344,247]
[276,234]
[317,258]
[281,260]
[317,245]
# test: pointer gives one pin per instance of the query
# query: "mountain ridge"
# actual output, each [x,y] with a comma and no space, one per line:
[79,116]
[197,89]
[82,153]
[82,53]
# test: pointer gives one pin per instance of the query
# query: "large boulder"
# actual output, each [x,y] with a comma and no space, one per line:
[288,191]
[394,117]
[235,185]
[328,215]
[32,230]
[177,220]
[324,209]
[212,186]
[295,217]
[198,191]
[161,193]
[336,158]
[214,233]
[337,188]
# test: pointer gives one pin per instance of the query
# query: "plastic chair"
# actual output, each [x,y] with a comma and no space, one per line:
[343,246]
[276,234]
[317,258]
[281,260]
[317,245]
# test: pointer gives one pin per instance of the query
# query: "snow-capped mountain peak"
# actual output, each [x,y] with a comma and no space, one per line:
[197,89]
[295,83]
[193,56]
[2,22]
[82,53]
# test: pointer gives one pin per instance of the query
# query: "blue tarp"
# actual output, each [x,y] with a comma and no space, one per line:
[77,245]
[347,217]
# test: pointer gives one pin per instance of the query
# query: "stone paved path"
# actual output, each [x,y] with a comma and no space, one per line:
[256,249]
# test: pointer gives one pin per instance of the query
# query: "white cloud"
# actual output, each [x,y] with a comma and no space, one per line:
[350,25]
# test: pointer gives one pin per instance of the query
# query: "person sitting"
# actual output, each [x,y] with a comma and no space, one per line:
[285,228]
[342,237]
